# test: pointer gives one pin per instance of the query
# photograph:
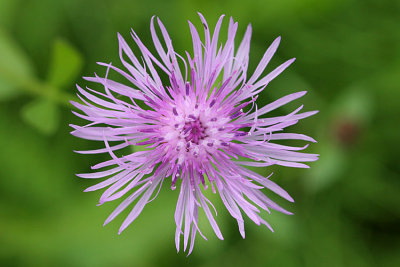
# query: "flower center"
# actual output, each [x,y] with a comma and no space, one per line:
[194,130]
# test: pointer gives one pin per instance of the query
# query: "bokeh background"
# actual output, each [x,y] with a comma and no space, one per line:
[347,207]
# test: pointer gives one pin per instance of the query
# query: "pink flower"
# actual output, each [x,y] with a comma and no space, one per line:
[202,127]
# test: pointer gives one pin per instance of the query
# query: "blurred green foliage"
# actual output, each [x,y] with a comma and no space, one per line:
[347,205]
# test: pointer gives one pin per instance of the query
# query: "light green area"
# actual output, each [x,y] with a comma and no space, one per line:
[15,67]
[65,65]
[42,114]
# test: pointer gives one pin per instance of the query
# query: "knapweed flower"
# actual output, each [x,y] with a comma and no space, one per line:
[198,119]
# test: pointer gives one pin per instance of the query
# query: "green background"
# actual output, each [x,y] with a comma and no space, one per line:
[347,204]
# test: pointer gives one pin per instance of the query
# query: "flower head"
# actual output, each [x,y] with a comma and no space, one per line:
[202,128]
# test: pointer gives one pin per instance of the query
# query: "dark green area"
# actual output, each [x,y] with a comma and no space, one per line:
[347,210]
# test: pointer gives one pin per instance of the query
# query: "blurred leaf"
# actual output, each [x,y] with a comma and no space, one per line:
[328,168]
[15,67]
[65,65]
[7,9]
[7,90]
[43,115]
[355,102]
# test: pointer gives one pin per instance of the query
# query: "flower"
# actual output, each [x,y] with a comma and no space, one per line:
[194,126]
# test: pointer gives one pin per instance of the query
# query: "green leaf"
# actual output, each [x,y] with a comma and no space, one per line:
[15,67]
[43,115]
[328,169]
[7,90]
[7,11]
[65,65]
[355,102]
